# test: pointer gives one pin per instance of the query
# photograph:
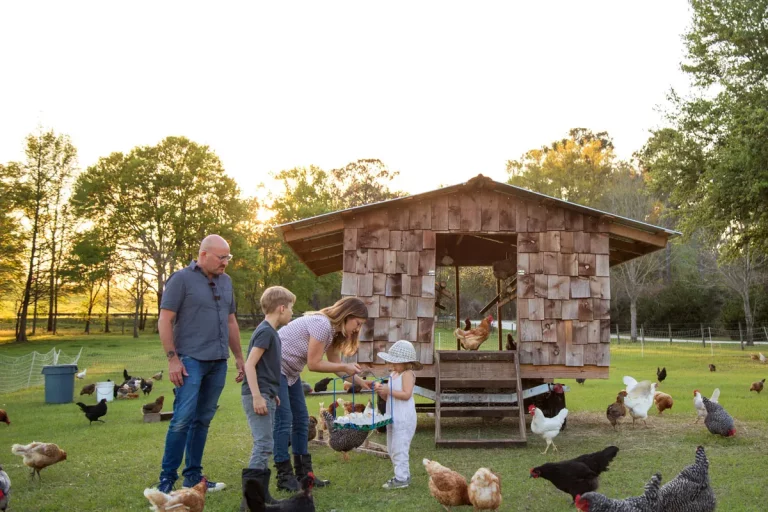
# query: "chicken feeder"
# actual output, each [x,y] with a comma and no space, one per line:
[59,383]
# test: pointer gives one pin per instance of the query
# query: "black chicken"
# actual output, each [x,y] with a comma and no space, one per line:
[94,412]
[712,367]
[661,374]
[581,381]
[300,502]
[322,384]
[146,386]
[511,345]
[579,475]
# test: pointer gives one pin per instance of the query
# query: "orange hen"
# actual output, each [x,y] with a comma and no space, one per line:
[471,339]
[663,401]
[448,487]
[4,417]
[191,499]
[39,456]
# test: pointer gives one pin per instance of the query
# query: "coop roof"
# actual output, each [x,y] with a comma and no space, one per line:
[319,241]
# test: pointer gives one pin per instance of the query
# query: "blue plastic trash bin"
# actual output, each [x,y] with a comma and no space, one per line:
[59,383]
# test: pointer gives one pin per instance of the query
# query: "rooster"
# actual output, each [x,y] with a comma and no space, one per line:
[639,398]
[448,487]
[757,386]
[547,428]
[471,339]
[485,490]
[698,403]
[650,501]
[39,456]
[579,475]
[4,417]
[718,421]
[188,499]
[5,489]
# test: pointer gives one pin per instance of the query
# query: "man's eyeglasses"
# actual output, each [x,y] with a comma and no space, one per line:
[226,257]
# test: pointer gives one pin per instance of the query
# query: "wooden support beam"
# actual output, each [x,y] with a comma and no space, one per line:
[322,228]
[498,311]
[322,254]
[458,315]
[303,246]
[658,239]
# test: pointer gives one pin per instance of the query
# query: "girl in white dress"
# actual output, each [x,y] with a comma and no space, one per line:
[400,404]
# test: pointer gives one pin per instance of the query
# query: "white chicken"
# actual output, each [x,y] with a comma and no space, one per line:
[485,490]
[698,403]
[761,356]
[81,375]
[639,398]
[548,428]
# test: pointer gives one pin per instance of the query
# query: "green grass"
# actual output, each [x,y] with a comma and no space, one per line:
[110,464]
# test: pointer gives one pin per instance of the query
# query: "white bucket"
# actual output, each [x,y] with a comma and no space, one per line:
[105,390]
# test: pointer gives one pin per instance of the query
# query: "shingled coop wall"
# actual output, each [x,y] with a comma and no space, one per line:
[389,263]
[563,292]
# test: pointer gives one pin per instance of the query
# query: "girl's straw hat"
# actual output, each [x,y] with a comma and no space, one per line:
[401,352]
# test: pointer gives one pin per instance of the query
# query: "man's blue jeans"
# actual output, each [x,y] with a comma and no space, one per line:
[291,421]
[193,410]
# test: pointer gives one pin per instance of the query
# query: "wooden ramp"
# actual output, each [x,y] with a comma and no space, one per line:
[478,384]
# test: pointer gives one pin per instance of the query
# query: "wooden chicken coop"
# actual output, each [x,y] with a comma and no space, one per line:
[551,256]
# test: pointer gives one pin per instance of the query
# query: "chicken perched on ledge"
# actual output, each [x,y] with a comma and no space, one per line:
[448,487]
[471,339]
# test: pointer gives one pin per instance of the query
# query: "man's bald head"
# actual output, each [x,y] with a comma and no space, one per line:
[213,256]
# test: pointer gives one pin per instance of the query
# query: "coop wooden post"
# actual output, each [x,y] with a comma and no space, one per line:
[703,341]
[670,333]
[458,322]
[498,310]
[741,337]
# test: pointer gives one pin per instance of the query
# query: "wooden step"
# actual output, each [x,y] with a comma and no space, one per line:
[479,443]
[477,355]
[471,411]
[452,383]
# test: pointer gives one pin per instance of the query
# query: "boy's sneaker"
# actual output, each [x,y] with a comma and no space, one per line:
[212,486]
[165,486]
[394,483]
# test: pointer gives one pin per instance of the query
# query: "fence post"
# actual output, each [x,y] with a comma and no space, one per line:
[670,333]
[703,341]
[642,333]
[123,326]
[642,342]
[31,367]
[741,337]
[618,336]
[766,333]
[711,346]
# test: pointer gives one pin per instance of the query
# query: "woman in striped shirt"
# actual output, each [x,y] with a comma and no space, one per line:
[332,331]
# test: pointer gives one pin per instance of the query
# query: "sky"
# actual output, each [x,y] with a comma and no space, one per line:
[440,91]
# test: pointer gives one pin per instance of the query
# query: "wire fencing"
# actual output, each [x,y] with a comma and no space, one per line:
[27,371]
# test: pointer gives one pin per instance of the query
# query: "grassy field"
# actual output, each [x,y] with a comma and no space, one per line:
[110,464]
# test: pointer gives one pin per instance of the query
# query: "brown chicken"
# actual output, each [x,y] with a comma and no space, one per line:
[154,407]
[312,432]
[485,490]
[663,401]
[712,367]
[616,410]
[188,499]
[88,390]
[754,357]
[471,339]
[358,407]
[4,417]
[756,386]
[448,487]
[39,456]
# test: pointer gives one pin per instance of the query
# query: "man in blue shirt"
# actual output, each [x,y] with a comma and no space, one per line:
[197,326]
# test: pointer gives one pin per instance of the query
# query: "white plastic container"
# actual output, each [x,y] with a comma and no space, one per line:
[105,390]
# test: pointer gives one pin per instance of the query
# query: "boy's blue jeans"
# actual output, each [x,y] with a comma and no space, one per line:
[193,410]
[291,421]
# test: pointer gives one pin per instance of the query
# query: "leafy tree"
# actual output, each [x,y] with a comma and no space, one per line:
[85,268]
[37,183]
[363,182]
[573,169]
[162,200]
[11,240]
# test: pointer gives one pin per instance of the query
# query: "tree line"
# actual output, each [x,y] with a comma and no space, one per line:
[129,220]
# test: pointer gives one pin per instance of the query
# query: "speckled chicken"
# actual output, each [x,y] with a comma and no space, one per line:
[343,440]
[718,421]
[691,490]
[485,490]
[650,501]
